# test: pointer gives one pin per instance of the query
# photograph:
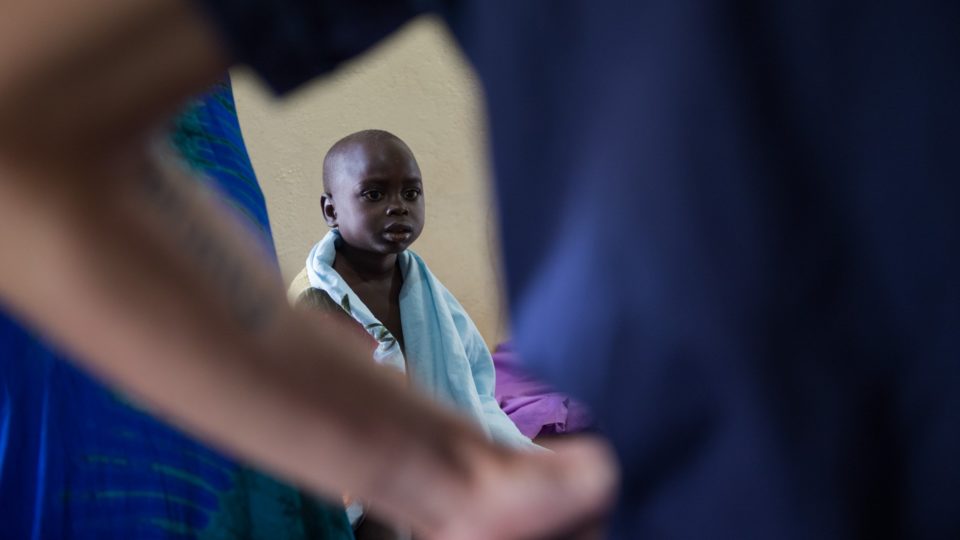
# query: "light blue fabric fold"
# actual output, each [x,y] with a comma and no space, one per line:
[447,356]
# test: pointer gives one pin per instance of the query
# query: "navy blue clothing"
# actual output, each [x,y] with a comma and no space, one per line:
[757,206]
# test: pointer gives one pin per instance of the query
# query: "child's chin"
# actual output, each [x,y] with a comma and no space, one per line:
[393,248]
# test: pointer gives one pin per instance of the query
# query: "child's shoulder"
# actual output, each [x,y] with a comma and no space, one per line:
[318,299]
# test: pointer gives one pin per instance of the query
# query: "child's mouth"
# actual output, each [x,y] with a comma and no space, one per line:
[397,234]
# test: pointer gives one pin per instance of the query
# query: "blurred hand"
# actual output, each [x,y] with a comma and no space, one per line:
[562,494]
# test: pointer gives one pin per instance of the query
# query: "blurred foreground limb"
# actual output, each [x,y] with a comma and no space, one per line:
[160,293]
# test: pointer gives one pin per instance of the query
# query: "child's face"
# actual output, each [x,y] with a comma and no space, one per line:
[377,200]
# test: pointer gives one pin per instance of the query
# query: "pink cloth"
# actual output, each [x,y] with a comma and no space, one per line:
[533,406]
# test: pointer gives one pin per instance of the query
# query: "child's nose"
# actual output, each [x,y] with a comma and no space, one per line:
[397,208]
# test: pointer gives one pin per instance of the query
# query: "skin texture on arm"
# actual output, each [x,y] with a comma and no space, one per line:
[162,295]
[148,269]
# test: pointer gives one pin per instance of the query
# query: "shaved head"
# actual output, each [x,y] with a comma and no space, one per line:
[348,157]
[373,192]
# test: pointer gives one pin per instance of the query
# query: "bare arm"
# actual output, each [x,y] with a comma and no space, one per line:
[160,295]
[166,298]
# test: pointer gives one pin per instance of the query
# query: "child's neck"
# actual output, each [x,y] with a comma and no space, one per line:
[364,265]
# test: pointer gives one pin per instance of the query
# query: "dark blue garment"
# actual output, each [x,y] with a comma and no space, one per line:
[77,461]
[756,208]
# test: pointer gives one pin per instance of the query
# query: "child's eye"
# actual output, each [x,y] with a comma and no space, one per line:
[411,194]
[372,195]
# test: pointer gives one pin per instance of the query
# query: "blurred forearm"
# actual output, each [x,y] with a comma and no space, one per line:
[158,292]
[138,273]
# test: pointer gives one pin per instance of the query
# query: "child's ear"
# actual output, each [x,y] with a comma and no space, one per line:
[329,211]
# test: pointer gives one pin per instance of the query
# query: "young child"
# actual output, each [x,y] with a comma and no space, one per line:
[373,201]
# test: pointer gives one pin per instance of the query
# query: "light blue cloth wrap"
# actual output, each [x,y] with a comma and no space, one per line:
[448,358]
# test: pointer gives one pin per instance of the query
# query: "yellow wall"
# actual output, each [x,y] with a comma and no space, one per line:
[418,86]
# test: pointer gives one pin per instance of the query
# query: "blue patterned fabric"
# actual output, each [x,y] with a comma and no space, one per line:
[78,461]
